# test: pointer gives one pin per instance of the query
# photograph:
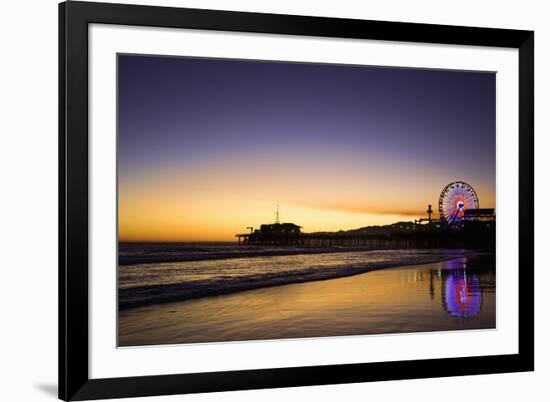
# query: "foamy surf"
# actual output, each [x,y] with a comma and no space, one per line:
[149,284]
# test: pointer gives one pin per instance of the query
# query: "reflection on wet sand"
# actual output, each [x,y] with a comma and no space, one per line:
[462,294]
[450,295]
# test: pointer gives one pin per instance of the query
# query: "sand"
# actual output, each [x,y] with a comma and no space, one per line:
[428,297]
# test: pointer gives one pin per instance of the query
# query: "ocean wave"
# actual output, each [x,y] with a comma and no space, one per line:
[151,253]
[149,284]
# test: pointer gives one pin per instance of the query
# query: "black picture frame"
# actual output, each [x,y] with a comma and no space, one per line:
[74,381]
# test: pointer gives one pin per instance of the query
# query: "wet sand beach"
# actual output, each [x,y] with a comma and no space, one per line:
[453,295]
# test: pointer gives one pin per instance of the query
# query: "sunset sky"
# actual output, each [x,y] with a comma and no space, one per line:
[207,147]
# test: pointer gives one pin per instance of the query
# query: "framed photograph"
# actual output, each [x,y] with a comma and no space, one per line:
[256,201]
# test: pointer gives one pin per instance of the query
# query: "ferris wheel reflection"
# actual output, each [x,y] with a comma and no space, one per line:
[461,294]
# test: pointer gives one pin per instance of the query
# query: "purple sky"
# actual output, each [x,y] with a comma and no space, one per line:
[182,114]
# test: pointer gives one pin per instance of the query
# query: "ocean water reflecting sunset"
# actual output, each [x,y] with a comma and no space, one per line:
[452,295]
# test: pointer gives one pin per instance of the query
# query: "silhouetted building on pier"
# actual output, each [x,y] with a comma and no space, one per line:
[481,214]
[273,233]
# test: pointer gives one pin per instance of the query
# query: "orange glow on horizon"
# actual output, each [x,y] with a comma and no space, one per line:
[220,201]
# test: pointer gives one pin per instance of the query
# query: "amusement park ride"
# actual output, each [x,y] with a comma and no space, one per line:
[461,222]
[458,202]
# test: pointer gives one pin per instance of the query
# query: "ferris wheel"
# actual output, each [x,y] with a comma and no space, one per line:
[455,198]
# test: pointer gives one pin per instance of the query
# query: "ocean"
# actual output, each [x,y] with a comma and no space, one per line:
[154,273]
[236,299]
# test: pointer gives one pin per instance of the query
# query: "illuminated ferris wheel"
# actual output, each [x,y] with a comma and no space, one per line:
[455,198]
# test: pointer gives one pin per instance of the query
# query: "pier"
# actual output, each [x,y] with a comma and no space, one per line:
[479,236]
[461,224]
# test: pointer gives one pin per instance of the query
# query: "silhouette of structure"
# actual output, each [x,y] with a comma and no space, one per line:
[462,224]
[429,212]
[274,234]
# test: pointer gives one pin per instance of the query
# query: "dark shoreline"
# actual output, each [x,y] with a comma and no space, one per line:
[146,296]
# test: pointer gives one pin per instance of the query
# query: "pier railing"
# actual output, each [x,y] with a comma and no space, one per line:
[472,237]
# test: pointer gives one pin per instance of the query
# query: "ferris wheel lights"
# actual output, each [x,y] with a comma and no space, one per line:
[455,198]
